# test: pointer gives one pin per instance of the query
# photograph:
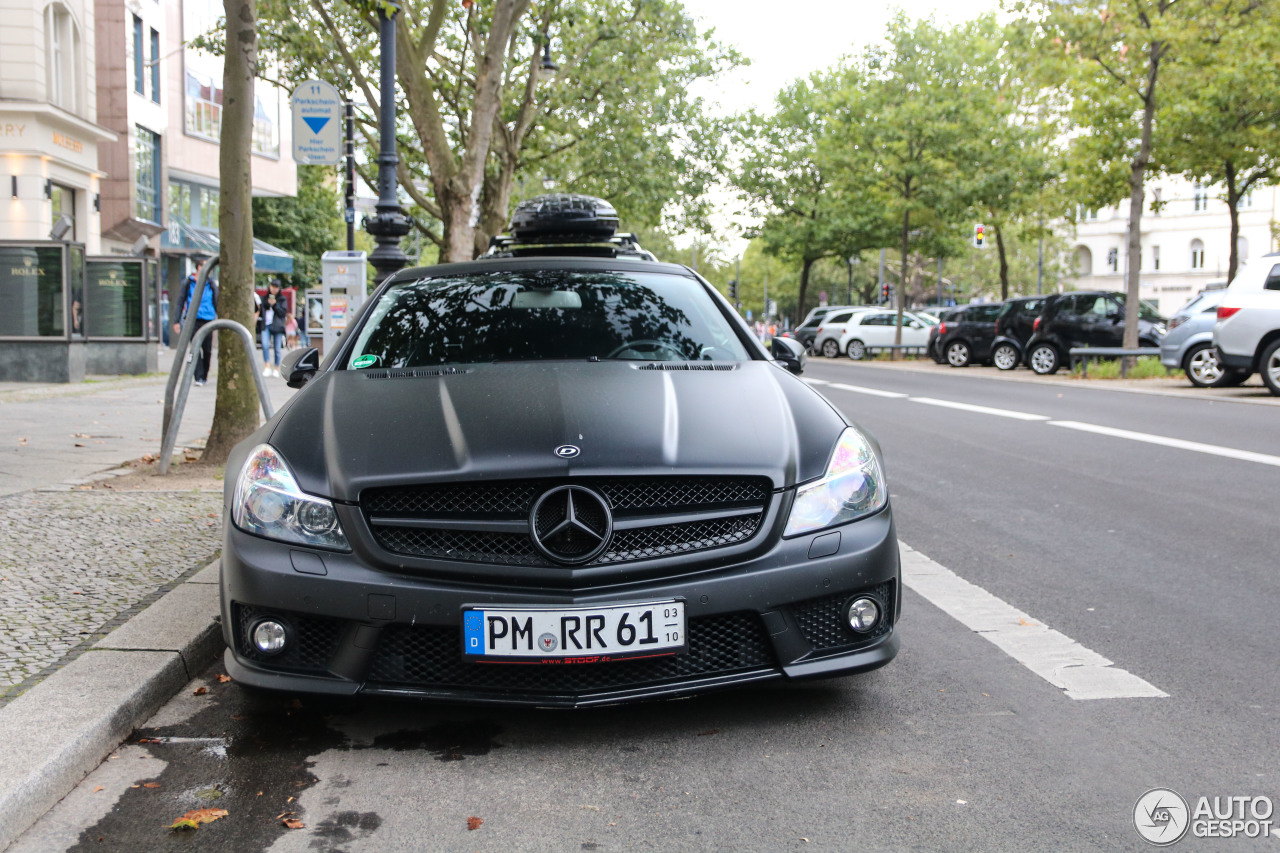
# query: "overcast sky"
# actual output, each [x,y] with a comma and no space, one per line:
[789,40]
[793,41]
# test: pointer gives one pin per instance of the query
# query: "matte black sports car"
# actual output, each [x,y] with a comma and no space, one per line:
[559,475]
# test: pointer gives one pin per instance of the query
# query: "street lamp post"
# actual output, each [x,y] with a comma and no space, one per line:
[389,222]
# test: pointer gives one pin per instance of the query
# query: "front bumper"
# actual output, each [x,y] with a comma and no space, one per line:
[775,613]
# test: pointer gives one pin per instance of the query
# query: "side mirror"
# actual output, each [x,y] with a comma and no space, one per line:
[789,353]
[915,324]
[299,365]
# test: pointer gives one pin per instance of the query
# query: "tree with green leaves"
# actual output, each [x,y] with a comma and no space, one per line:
[1115,57]
[1221,121]
[235,413]
[788,182]
[907,128]
[306,225]
[481,115]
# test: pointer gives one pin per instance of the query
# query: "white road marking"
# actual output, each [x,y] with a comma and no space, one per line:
[862,389]
[1180,444]
[1055,657]
[817,381]
[982,410]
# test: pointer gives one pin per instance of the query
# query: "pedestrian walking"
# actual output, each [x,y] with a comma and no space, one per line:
[275,312]
[207,310]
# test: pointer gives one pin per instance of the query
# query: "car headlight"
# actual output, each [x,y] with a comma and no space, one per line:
[853,487]
[269,503]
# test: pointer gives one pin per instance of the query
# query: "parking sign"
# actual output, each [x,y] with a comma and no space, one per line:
[317,124]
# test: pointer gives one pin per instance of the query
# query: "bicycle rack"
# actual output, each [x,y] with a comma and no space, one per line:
[184,367]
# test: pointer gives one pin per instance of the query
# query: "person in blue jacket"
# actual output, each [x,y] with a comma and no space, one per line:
[207,310]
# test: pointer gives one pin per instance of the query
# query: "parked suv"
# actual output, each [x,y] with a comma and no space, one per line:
[1247,333]
[826,340]
[1089,318]
[869,330]
[808,330]
[1189,344]
[967,334]
[1014,327]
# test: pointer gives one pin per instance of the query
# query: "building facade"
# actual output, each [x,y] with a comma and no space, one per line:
[49,129]
[109,126]
[1185,243]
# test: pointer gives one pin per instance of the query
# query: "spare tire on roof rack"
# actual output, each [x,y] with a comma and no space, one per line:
[561,215]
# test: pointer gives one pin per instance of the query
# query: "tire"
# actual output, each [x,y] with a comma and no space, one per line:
[856,350]
[1044,359]
[830,348]
[1269,367]
[1203,368]
[1005,357]
[958,354]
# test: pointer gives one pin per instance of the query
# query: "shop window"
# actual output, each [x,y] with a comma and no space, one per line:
[31,291]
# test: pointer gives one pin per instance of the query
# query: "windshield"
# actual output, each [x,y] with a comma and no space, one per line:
[535,315]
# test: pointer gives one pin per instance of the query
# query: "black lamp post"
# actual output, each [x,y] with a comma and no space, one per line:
[389,222]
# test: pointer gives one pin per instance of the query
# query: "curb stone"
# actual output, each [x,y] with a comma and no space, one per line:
[55,733]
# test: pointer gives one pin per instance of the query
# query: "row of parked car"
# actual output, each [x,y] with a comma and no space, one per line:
[1219,338]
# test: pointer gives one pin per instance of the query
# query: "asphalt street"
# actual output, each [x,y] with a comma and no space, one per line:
[1140,527]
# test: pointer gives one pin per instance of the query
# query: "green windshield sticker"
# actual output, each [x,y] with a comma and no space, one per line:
[365,361]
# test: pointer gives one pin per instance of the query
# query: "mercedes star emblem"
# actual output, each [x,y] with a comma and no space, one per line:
[571,524]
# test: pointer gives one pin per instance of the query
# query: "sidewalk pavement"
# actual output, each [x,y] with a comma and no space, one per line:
[108,578]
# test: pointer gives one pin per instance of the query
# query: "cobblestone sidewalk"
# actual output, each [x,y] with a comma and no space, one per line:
[75,563]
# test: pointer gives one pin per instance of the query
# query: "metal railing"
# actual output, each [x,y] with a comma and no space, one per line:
[1086,353]
[184,364]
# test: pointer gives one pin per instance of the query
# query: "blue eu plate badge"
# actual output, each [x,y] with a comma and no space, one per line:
[473,627]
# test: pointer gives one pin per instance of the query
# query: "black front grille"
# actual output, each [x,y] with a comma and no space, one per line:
[644,543]
[427,656]
[503,549]
[822,620]
[511,501]
[310,640]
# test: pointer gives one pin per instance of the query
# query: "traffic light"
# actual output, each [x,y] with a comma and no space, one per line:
[733,289]
[884,292]
[979,236]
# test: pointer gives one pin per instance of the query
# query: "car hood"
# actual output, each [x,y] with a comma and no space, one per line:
[348,430]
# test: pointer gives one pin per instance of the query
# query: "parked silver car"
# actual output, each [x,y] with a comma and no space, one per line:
[1189,343]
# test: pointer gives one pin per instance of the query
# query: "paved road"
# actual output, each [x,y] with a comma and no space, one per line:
[1112,518]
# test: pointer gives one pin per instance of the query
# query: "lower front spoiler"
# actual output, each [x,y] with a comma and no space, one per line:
[850,663]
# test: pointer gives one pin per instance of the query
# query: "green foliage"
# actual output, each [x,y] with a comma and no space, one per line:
[1146,367]
[307,225]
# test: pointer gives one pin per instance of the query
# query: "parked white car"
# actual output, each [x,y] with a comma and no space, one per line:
[1247,333]
[827,339]
[873,329]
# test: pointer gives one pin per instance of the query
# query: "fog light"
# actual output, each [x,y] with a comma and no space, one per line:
[864,614]
[268,637]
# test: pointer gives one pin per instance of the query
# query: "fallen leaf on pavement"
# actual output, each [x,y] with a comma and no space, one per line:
[223,679]
[1022,621]
[99,788]
[293,823]
[151,784]
[78,444]
[200,691]
[149,740]
[474,822]
[22,441]
[195,817]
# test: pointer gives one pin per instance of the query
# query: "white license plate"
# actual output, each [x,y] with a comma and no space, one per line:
[573,635]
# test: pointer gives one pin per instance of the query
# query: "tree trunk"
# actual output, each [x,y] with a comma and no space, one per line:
[902,281]
[1137,194]
[235,414]
[804,286]
[1233,208]
[1004,262]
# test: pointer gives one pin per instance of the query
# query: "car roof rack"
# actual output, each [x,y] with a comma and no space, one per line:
[566,224]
